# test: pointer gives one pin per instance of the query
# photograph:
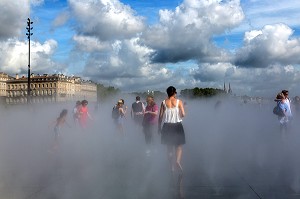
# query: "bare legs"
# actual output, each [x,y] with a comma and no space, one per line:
[175,162]
[120,129]
[178,157]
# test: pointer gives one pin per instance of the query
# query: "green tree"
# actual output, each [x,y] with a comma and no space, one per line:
[201,92]
[104,92]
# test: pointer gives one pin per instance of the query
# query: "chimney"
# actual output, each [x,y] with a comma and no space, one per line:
[17,76]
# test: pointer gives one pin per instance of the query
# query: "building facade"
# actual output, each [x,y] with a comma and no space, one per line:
[3,79]
[49,88]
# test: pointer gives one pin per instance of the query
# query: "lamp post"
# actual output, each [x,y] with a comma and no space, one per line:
[29,34]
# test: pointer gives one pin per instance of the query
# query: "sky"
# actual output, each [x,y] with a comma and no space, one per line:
[140,45]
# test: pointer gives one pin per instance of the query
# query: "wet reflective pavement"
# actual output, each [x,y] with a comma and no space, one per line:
[100,164]
[132,174]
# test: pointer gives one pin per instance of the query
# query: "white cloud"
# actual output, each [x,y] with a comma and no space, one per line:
[127,66]
[13,18]
[90,44]
[186,32]
[106,19]
[214,72]
[124,59]
[14,56]
[273,44]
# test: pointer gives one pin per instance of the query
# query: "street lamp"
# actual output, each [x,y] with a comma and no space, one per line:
[29,34]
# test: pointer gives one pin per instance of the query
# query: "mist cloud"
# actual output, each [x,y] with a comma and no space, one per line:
[236,140]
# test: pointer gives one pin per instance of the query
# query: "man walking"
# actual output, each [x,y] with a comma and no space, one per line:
[137,111]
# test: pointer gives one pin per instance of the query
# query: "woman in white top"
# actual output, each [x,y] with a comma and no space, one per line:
[172,132]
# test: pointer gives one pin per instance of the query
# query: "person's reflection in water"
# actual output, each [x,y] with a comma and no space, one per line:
[180,191]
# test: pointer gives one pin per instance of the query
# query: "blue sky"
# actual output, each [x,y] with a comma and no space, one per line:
[137,45]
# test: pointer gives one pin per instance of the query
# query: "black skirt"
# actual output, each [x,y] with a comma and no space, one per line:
[172,134]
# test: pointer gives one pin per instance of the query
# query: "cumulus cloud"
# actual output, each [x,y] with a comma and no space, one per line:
[13,18]
[106,19]
[123,59]
[117,50]
[90,43]
[186,33]
[127,66]
[14,56]
[273,44]
[214,72]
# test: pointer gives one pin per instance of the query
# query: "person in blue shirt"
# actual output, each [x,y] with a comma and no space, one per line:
[284,118]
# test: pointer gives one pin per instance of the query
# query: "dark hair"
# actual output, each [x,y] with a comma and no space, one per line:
[84,102]
[138,98]
[78,103]
[171,90]
[285,92]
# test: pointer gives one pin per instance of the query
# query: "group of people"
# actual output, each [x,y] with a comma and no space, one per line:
[80,116]
[165,120]
[81,113]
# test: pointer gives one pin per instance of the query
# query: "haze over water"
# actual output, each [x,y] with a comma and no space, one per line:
[227,151]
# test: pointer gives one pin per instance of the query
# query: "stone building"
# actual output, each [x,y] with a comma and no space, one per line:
[49,88]
[3,79]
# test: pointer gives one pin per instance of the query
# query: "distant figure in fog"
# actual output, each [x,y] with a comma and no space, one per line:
[218,104]
[150,121]
[84,114]
[137,111]
[296,104]
[118,115]
[76,114]
[97,105]
[58,124]
[172,132]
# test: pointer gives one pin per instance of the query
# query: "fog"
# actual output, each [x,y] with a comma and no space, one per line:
[232,151]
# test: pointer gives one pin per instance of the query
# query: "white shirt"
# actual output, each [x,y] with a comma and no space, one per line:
[289,111]
[171,114]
